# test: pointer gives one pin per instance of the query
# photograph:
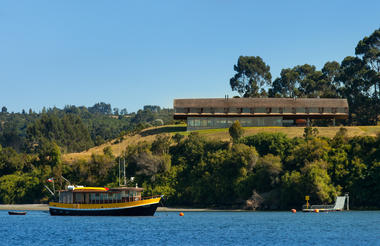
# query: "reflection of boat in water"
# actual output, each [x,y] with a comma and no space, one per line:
[16,212]
[126,201]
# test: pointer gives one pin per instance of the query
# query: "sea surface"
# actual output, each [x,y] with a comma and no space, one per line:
[194,228]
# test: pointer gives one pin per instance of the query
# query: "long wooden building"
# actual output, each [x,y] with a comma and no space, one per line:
[222,112]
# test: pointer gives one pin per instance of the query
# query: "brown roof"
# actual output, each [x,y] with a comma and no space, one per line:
[260,102]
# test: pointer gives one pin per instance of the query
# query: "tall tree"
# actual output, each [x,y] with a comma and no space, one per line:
[286,85]
[251,75]
[369,50]
[4,110]
[306,81]
[354,75]
[330,72]
[236,131]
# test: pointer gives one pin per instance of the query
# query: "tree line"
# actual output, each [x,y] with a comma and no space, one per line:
[73,128]
[262,171]
[356,78]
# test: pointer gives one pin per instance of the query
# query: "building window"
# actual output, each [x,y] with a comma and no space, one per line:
[320,110]
[260,110]
[313,110]
[197,123]
[196,110]
[300,110]
[246,110]
[307,110]
[269,110]
[288,110]
[226,110]
[280,110]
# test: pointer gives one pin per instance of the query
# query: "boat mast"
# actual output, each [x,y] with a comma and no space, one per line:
[119,173]
[125,176]
[124,173]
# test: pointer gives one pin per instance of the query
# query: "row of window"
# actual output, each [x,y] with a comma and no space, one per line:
[279,110]
[224,123]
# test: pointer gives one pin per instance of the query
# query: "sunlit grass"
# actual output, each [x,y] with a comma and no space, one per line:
[216,134]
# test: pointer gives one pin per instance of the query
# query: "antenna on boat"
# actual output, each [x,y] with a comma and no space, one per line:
[66,180]
[125,176]
[49,190]
[119,172]
[122,167]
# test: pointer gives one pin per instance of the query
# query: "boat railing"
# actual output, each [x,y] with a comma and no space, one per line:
[124,199]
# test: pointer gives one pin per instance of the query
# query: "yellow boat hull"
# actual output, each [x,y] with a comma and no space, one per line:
[145,207]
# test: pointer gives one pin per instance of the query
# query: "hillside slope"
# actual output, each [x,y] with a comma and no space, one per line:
[220,134]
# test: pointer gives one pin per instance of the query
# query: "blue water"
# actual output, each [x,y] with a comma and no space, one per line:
[195,228]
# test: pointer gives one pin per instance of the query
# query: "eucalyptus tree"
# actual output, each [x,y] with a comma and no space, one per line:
[354,75]
[369,50]
[252,74]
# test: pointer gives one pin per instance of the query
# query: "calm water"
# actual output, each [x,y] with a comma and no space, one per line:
[195,228]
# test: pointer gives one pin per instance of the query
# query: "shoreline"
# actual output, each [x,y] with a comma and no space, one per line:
[45,207]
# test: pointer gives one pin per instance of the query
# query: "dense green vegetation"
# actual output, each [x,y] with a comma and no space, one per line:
[355,78]
[262,171]
[75,129]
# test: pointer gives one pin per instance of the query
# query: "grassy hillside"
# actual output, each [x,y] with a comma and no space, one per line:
[221,134]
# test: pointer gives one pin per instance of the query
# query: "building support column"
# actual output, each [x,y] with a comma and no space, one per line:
[308,122]
[333,121]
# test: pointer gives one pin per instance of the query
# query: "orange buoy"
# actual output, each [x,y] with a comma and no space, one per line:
[293,210]
[181,214]
[316,210]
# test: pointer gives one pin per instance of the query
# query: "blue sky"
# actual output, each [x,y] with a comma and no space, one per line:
[136,53]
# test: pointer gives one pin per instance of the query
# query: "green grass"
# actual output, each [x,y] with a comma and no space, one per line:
[217,134]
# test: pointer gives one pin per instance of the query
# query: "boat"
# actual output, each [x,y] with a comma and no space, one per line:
[16,212]
[102,201]
[338,206]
